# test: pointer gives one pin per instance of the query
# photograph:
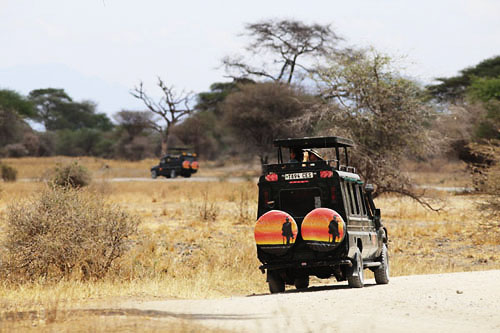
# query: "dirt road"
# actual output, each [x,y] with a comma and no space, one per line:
[457,302]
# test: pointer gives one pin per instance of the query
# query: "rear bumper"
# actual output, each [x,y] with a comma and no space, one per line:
[305,264]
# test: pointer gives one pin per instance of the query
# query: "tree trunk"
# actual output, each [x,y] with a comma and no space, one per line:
[164,141]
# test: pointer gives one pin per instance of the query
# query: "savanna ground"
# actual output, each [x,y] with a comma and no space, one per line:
[196,241]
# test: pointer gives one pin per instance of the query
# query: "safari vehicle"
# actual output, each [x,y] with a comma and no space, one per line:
[177,162]
[315,218]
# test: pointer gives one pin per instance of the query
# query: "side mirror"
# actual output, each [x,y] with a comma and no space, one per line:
[376,218]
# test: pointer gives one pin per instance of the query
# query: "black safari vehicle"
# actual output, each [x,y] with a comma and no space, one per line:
[177,162]
[316,217]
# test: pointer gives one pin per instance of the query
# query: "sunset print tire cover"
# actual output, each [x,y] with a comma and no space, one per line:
[275,232]
[323,229]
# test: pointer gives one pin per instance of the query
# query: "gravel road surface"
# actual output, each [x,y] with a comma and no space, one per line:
[455,302]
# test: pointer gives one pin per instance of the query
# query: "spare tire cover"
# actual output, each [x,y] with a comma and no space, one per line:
[323,229]
[275,232]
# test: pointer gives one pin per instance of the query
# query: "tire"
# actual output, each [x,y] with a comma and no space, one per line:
[153,174]
[187,175]
[276,283]
[301,282]
[382,272]
[173,174]
[356,278]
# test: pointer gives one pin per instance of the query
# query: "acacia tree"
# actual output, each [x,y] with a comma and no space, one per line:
[286,41]
[14,108]
[382,111]
[171,108]
[57,111]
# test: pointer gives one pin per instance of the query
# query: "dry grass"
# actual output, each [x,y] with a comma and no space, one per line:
[36,167]
[456,239]
[196,241]
[439,172]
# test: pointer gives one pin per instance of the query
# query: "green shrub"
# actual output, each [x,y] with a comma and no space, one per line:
[9,174]
[70,175]
[64,232]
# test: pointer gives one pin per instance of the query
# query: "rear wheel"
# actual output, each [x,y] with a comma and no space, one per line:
[187,175]
[301,282]
[153,174]
[356,278]
[276,283]
[382,272]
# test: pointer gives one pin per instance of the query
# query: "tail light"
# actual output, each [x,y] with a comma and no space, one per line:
[185,164]
[332,191]
[272,177]
[194,165]
[326,174]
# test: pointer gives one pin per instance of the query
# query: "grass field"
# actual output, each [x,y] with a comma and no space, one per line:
[196,241]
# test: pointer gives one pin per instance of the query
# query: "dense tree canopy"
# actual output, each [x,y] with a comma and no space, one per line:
[455,87]
[57,111]
[13,101]
[262,112]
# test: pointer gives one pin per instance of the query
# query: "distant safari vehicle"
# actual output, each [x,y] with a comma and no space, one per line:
[177,162]
[315,218]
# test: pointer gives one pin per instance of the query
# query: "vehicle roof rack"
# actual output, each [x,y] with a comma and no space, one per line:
[314,142]
[177,149]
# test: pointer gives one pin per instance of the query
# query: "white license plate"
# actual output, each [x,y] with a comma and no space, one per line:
[299,175]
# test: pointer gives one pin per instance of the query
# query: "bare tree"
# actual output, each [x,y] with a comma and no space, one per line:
[171,107]
[286,41]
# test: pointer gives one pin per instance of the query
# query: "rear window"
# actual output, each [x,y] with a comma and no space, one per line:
[299,202]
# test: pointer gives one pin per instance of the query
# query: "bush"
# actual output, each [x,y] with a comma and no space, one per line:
[16,150]
[9,174]
[64,232]
[70,175]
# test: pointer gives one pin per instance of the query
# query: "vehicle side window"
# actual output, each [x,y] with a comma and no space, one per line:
[363,201]
[345,195]
[354,188]
[162,161]
[351,198]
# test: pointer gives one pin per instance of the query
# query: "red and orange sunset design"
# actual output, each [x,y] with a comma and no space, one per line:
[323,225]
[271,229]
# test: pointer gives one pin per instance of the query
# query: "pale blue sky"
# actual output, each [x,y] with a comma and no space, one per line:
[100,49]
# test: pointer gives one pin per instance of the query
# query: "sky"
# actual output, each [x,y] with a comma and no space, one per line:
[101,49]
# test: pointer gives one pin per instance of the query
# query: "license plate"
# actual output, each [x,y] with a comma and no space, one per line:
[299,175]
